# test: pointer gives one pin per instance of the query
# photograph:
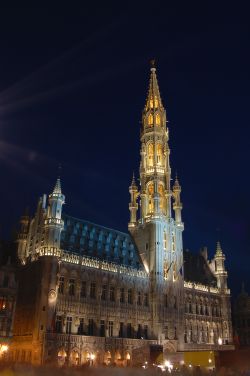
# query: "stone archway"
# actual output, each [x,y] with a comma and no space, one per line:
[128,358]
[74,358]
[107,358]
[169,347]
[85,357]
[118,358]
[61,357]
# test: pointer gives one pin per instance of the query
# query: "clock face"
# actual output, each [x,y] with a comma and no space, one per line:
[52,295]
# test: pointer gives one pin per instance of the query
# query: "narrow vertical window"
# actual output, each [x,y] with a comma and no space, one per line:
[68,325]
[104,292]
[173,241]
[165,270]
[72,287]
[81,326]
[58,324]
[150,119]
[150,198]
[165,239]
[150,154]
[93,290]
[102,328]
[110,328]
[61,285]
[157,119]
[112,294]
[122,295]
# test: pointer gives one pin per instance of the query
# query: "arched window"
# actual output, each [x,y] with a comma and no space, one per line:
[153,102]
[150,120]
[150,198]
[159,158]
[161,194]
[173,241]
[157,119]
[150,154]
[165,270]
[165,239]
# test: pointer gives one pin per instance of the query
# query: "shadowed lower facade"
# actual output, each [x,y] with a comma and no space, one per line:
[90,294]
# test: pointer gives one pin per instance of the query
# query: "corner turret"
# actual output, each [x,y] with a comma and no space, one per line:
[133,206]
[219,268]
[53,222]
[177,205]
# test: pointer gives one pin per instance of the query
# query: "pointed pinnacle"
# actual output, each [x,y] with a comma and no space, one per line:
[218,249]
[154,97]
[57,189]
[133,183]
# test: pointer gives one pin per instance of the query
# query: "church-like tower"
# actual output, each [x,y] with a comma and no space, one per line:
[53,222]
[157,234]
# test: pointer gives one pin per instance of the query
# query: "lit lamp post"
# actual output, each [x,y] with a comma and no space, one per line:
[219,341]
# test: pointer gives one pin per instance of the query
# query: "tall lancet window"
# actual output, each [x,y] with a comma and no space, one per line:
[161,194]
[150,120]
[165,240]
[153,102]
[159,154]
[157,119]
[173,241]
[165,270]
[150,154]
[150,198]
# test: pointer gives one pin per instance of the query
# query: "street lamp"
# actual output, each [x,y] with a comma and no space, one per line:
[219,341]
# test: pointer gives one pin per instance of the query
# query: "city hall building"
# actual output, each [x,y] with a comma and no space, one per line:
[94,295]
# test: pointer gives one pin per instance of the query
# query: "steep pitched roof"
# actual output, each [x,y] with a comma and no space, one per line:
[88,239]
[197,270]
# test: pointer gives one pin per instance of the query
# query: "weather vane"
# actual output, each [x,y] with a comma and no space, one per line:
[152,63]
[59,170]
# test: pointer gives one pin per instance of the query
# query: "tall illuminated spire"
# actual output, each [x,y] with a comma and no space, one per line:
[154,98]
[57,189]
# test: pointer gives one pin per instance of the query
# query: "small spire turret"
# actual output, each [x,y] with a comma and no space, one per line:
[53,222]
[57,189]
[133,206]
[177,205]
[219,267]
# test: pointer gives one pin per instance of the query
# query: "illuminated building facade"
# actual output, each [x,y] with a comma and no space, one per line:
[89,294]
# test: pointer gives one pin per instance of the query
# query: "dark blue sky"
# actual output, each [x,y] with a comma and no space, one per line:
[73,83]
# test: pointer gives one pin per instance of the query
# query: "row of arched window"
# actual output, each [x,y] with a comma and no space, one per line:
[166,270]
[150,190]
[204,332]
[199,308]
[151,149]
[150,119]
[105,292]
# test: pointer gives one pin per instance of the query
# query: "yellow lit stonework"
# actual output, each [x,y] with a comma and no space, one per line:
[101,296]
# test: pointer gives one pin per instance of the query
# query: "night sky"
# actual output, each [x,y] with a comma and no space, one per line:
[73,83]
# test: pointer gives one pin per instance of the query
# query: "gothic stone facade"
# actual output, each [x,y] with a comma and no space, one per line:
[89,294]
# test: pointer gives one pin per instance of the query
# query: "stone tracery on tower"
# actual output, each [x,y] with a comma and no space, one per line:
[101,282]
